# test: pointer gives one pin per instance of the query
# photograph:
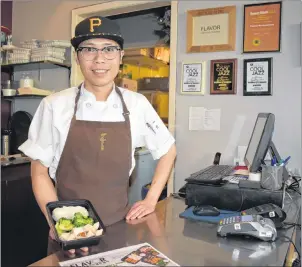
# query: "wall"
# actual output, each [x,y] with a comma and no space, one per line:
[197,149]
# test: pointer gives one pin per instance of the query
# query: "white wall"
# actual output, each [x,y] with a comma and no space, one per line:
[197,149]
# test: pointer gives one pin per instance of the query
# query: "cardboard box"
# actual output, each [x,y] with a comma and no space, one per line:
[127,83]
[161,53]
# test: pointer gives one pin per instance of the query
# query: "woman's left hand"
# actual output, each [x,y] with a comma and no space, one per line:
[140,209]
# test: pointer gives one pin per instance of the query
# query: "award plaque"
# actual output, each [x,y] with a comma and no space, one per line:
[223,76]
[193,78]
[262,27]
[257,78]
[211,29]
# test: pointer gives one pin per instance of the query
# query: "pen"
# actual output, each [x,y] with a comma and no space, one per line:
[285,161]
[275,161]
[149,126]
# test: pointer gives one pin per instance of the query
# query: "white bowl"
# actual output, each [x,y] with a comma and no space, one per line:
[9,92]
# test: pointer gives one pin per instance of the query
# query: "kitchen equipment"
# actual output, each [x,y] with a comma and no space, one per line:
[142,173]
[19,124]
[26,81]
[5,142]
[9,92]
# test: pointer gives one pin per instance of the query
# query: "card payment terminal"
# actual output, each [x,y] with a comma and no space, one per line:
[248,225]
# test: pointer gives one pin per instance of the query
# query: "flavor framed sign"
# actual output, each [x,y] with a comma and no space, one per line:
[262,27]
[211,29]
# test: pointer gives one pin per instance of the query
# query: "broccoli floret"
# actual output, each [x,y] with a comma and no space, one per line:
[65,224]
[89,220]
[79,215]
[59,231]
[79,222]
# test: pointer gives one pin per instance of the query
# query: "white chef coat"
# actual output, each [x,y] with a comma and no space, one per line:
[50,125]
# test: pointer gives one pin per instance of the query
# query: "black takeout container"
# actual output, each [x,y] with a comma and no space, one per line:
[84,242]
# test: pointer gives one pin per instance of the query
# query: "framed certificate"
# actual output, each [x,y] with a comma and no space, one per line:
[193,78]
[257,78]
[211,29]
[223,76]
[262,27]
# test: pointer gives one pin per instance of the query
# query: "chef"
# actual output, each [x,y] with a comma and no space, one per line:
[84,137]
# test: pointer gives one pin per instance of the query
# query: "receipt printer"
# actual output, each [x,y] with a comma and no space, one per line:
[248,225]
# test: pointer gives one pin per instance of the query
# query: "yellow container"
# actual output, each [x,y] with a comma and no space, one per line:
[161,103]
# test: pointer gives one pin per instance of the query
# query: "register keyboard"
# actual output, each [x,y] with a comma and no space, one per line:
[211,175]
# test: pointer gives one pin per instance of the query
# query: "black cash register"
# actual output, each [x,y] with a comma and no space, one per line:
[204,188]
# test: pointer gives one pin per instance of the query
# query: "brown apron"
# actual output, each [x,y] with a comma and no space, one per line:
[95,164]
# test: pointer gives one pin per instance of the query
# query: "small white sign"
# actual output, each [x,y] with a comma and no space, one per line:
[237,226]
[257,77]
[202,119]
[193,78]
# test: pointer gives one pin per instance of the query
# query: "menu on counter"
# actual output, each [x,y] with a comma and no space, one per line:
[139,255]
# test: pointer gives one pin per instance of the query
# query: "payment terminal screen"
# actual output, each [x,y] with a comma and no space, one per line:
[246,218]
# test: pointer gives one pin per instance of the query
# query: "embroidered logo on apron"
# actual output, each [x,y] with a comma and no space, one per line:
[103,140]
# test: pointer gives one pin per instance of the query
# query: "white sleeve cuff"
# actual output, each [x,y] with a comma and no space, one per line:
[35,152]
[164,148]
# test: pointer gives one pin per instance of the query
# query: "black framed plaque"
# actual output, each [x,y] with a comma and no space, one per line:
[223,76]
[257,78]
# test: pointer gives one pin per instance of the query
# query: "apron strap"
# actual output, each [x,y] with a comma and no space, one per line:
[126,112]
[76,101]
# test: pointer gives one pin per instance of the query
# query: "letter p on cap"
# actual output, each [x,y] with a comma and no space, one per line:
[94,22]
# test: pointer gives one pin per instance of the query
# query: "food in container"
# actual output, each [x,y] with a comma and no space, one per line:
[75,223]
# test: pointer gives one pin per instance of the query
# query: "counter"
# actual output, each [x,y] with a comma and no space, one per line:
[15,169]
[190,242]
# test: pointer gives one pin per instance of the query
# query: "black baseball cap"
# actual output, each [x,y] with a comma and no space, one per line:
[97,27]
